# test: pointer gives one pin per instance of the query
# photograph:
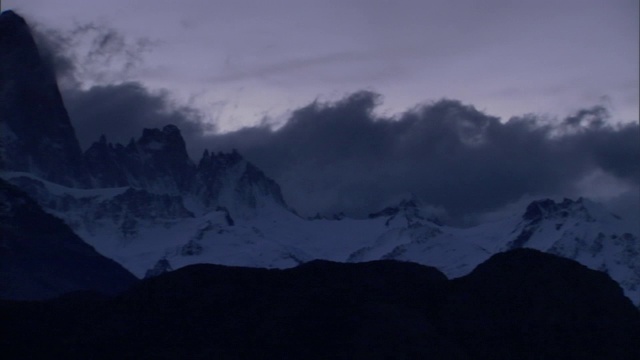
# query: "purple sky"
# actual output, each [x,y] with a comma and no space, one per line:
[241,60]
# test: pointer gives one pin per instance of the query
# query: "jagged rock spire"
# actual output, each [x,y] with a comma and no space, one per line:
[36,131]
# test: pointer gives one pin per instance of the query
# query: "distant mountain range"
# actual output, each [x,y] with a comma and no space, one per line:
[230,271]
[151,208]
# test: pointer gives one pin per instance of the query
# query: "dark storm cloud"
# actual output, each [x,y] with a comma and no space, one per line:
[333,157]
[340,157]
[121,111]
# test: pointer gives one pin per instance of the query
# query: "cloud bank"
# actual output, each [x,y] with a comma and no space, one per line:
[93,64]
[341,157]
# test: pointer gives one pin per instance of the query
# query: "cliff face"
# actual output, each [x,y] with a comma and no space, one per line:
[35,130]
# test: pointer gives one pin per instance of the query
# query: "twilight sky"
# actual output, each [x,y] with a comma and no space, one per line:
[341,101]
[239,60]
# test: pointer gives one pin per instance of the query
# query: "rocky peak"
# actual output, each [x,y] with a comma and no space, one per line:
[165,150]
[35,128]
[102,162]
[213,167]
[205,156]
[547,208]
[14,30]
[102,140]
[221,160]
[161,267]
[227,177]
[254,183]
[410,209]
[101,145]
[157,161]
[336,216]
[9,20]
[167,139]
[214,173]
[537,209]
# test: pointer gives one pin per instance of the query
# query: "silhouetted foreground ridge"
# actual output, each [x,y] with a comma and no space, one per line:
[523,304]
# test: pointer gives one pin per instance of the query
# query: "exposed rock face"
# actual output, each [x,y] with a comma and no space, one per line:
[161,267]
[547,208]
[41,257]
[157,161]
[409,211]
[35,130]
[141,204]
[104,163]
[211,170]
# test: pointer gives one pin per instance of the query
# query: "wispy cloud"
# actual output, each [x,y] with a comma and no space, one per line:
[287,66]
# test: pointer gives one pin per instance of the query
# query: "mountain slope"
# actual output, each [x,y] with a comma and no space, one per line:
[506,309]
[148,206]
[541,306]
[138,229]
[40,257]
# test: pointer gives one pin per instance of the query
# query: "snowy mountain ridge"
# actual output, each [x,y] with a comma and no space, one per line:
[148,206]
[158,163]
[142,230]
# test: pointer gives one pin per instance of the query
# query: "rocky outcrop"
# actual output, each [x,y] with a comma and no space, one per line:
[35,131]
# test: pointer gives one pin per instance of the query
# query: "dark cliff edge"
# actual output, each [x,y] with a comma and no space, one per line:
[41,257]
[37,135]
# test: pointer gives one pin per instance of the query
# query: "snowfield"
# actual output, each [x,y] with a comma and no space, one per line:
[138,229]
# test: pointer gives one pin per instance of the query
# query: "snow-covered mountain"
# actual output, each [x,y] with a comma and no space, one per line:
[149,207]
[142,229]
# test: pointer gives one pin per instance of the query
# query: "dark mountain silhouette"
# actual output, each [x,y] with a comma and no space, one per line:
[41,257]
[36,134]
[523,304]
